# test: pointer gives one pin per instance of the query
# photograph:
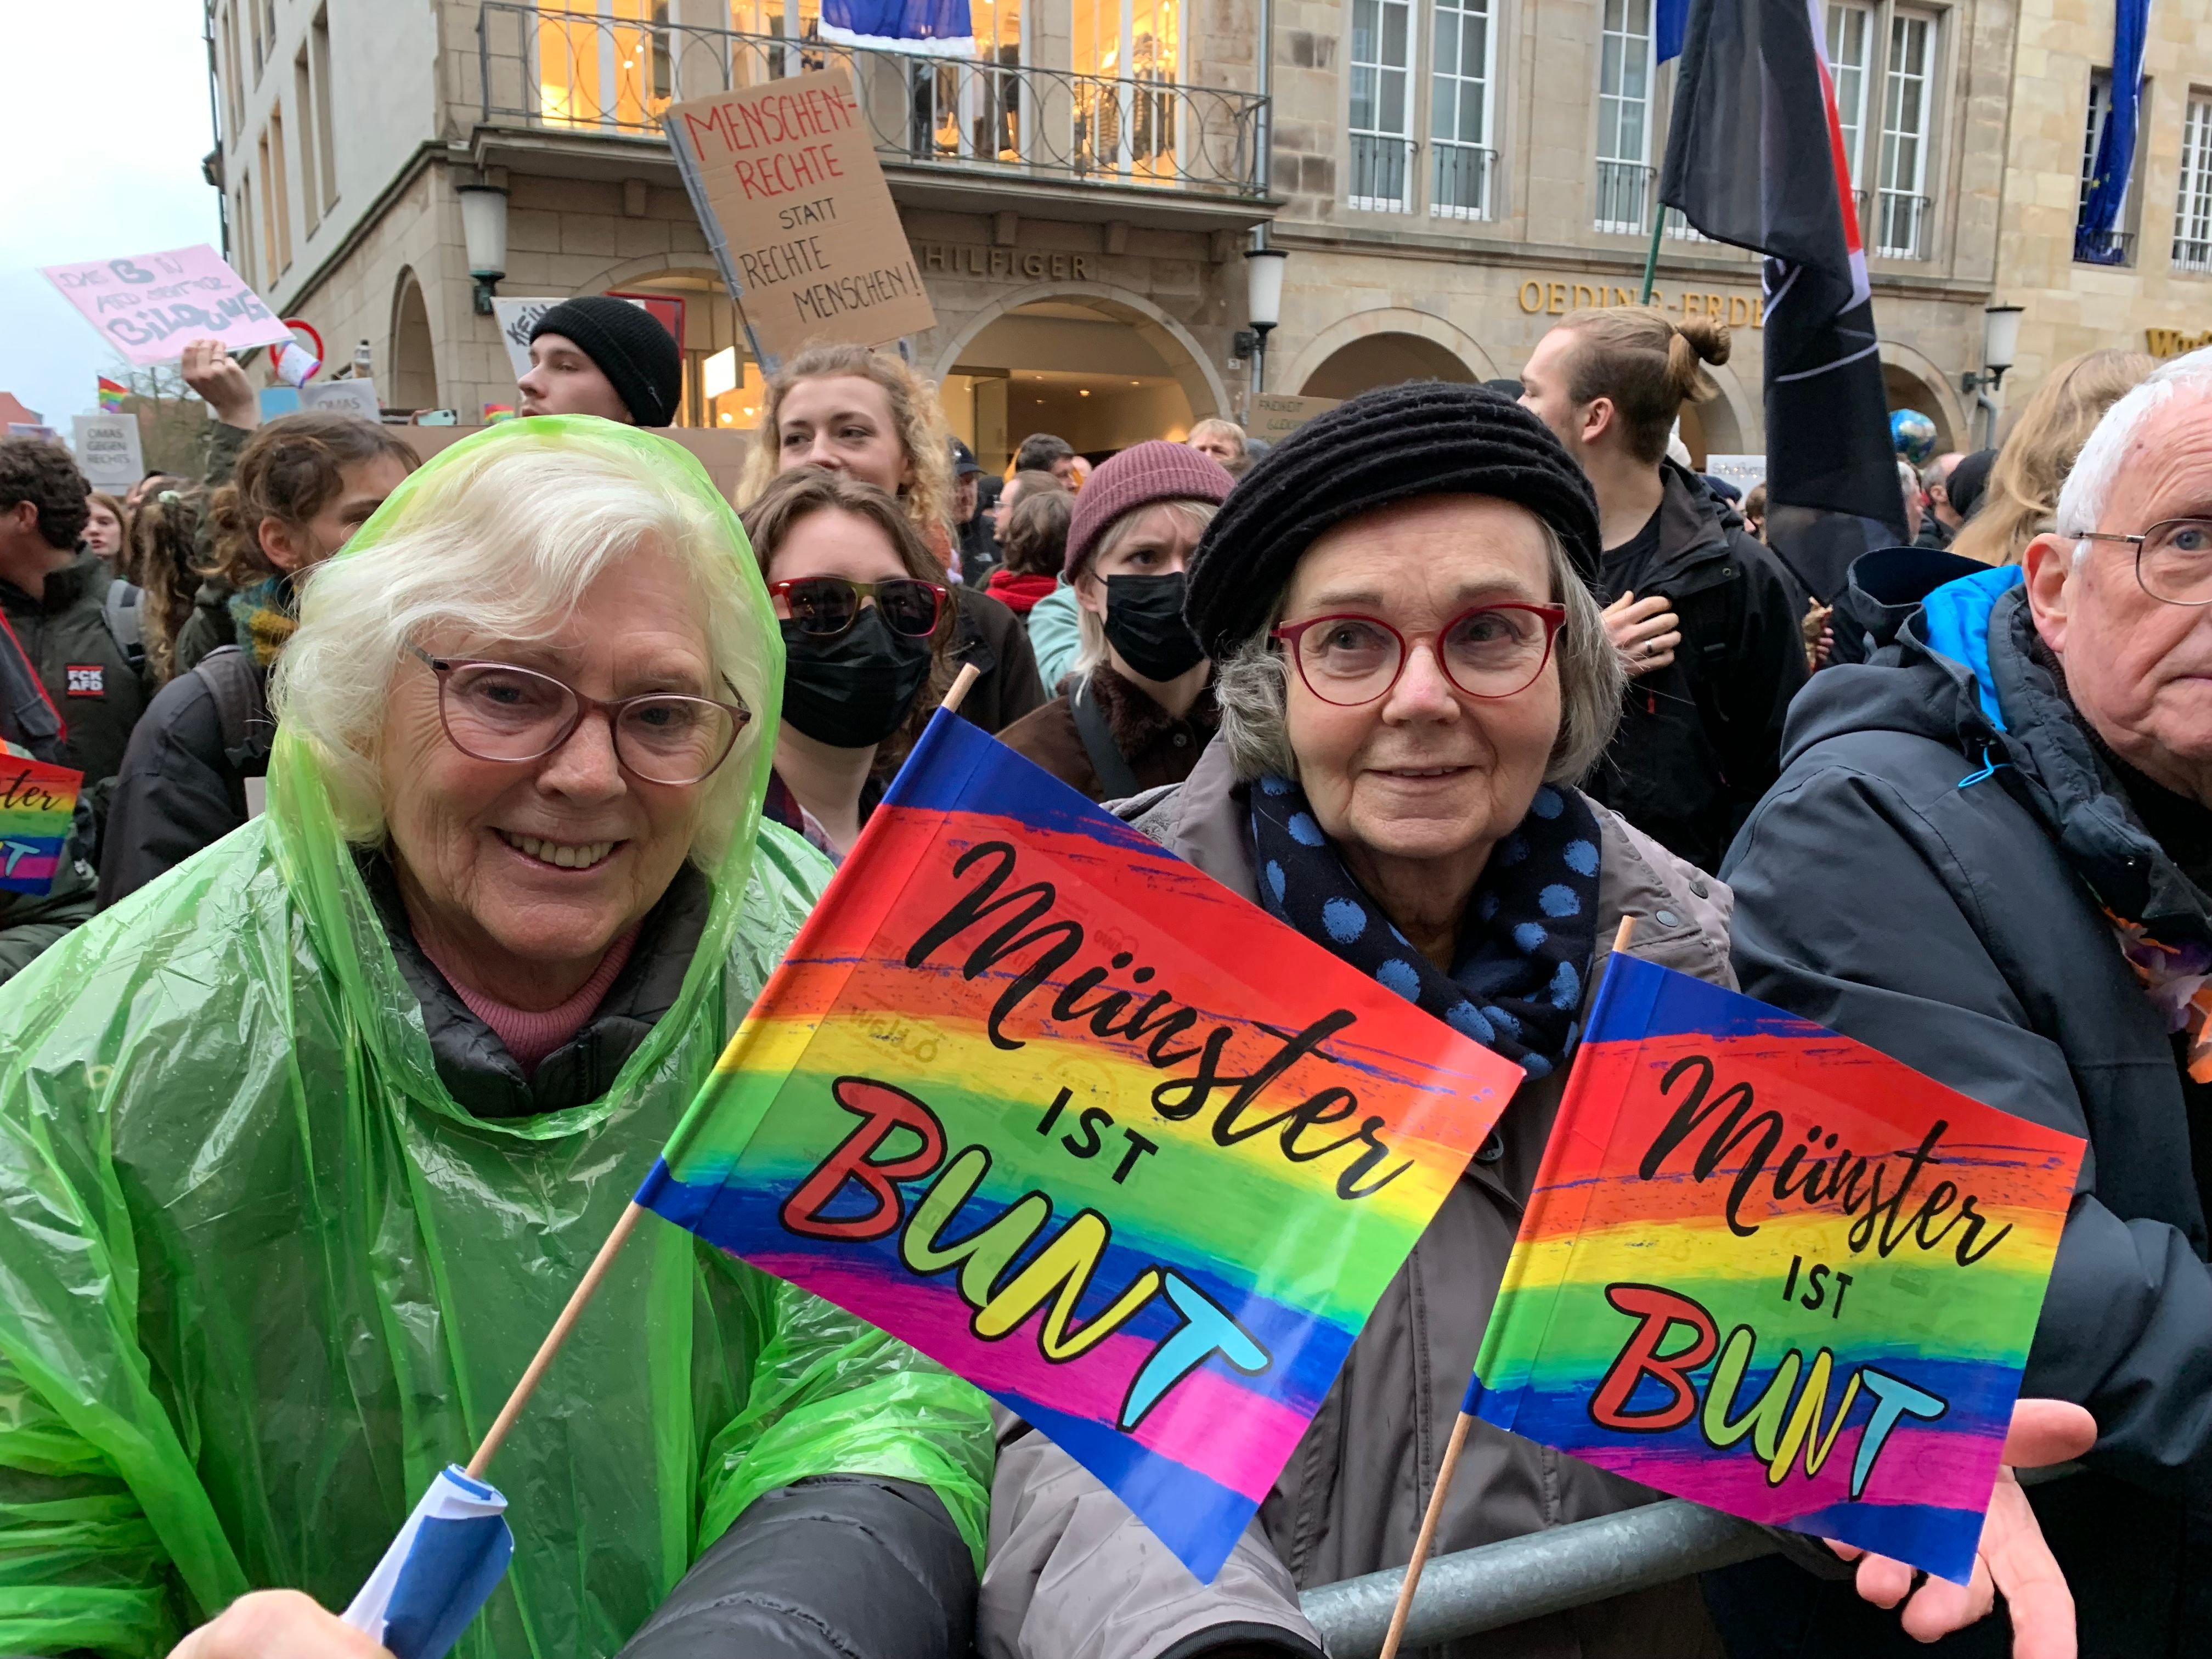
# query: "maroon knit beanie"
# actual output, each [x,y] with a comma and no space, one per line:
[1150,473]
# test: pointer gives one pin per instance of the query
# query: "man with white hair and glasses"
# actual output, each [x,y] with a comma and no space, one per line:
[1989,854]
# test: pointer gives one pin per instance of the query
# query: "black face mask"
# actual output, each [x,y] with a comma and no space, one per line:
[854,688]
[1143,623]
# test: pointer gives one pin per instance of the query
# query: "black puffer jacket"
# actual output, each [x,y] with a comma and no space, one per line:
[1895,887]
[88,673]
[1700,739]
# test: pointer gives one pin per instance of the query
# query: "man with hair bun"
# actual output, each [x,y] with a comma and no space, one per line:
[1705,618]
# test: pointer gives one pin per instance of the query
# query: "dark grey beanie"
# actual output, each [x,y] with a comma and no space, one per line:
[1395,444]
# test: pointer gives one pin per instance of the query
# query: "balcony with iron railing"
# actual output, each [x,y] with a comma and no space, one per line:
[565,73]
[1385,168]
[2103,247]
[1895,224]
[1621,203]
[2193,255]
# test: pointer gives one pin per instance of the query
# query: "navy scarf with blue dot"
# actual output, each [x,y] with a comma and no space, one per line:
[1525,943]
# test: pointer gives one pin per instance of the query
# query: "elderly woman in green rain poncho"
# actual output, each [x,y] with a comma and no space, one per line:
[303,1146]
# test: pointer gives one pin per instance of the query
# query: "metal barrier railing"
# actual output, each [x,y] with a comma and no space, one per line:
[574,72]
[1539,1573]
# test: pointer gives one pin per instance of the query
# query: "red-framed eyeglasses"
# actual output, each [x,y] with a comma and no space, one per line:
[1485,651]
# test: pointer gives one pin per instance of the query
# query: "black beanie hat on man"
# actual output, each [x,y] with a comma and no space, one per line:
[638,356]
[1425,438]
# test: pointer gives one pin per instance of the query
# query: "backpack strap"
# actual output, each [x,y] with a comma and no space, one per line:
[120,610]
[241,704]
[1115,776]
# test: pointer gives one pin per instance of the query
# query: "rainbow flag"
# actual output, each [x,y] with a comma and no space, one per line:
[1769,1269]
[37,802]
[111,396]
[1054,1107]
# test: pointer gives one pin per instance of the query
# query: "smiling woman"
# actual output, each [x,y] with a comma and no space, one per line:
[1413,674]
[408,1042]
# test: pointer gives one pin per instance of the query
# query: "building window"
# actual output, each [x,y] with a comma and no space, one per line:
[1624,117]
[278,174]
[2115,246]
[1901,215]
[2192,207]
[1459,110]
[303,100]
[1382,124]
[326,154]
[1121,48]
[269,267]
[1851,45]
[601,63]
[237,86]
[243,252]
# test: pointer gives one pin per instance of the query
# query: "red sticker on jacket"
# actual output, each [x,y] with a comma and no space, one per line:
[87,679]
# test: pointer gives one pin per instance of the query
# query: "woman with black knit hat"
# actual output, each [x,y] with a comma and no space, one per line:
[597,354]
[1412,675]
[1141,707]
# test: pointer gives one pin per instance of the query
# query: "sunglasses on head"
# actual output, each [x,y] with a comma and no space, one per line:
[825,606]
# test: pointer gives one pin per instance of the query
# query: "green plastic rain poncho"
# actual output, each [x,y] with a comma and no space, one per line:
[260,1277]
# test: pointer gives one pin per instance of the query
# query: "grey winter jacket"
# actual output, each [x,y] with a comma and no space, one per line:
[1072,1575]
[1931,876]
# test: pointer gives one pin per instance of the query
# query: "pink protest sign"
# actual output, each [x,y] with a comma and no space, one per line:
[149,306]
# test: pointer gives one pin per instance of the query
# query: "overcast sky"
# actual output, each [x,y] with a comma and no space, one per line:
[109,134]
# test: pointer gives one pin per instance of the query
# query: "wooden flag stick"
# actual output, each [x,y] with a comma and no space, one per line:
[588,1285]
[1450,1463]
[956,693]
[578,1300]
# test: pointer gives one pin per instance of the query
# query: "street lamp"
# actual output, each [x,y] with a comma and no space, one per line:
[2000,342]
[1263,303]
[483,230]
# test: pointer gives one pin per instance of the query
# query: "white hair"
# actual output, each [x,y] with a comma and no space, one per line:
[2097,469]
[1090,627]
[497,547]
[1252,684]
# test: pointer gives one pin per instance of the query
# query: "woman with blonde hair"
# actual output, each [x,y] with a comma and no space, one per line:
[867,415]
[2023,489]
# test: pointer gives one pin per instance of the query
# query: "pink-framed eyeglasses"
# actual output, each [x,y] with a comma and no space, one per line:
[1485,651]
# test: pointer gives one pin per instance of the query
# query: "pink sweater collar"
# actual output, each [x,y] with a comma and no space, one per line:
[532,1034]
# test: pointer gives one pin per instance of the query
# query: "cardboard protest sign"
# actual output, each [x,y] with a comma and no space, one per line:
[1037,1096]
[150,306]
[356,395]
[108,451]
[1769,1269]
[1275,418]
[37,801]
[803,224]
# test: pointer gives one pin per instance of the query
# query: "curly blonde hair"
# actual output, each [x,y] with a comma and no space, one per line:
[2022,498]
[923,435]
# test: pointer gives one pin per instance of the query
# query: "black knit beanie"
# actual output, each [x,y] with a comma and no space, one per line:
[1425,438]
[638,356]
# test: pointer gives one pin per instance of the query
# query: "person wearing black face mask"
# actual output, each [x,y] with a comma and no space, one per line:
[861,605]
[1141,708]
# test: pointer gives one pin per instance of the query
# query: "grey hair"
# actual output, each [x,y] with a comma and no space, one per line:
[1091,628]
[503,551]
[2082,500]
[1252,684]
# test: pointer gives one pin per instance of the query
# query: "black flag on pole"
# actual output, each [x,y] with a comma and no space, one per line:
[1755,157]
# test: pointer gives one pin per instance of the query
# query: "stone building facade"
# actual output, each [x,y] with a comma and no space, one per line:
[1447,177]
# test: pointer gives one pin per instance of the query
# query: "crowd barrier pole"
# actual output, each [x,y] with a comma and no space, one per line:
[1541,1572]
[1472,1591]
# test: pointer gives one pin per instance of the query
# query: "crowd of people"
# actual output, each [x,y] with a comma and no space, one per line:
[440,821]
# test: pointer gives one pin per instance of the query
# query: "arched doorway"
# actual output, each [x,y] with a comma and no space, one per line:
[414,358]
[1383,360]
[1100,372]
[1910,381]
